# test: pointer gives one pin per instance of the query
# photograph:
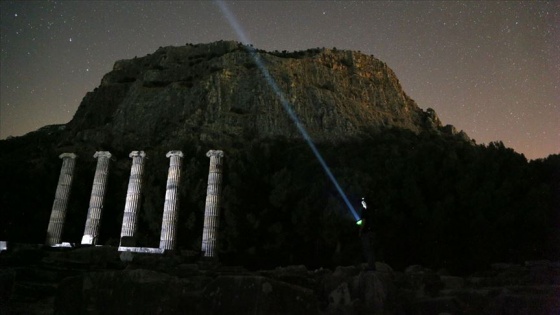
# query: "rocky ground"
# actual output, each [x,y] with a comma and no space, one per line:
[100,280]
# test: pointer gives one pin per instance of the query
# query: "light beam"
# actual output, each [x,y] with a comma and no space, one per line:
[272,83]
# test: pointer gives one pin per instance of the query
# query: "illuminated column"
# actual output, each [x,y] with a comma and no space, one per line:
[58,213]
[128,229]
[212,211]
[91,232]
[169,222]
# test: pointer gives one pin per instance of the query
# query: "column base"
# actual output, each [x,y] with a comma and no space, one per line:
[143,250]
[87,240]
[63,245]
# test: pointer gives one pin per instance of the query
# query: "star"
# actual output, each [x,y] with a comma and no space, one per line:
[457,57]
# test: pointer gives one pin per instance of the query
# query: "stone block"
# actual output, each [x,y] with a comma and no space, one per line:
[127,292]
[257,295]
[452,283]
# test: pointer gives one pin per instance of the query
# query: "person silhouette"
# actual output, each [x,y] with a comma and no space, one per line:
[367,234]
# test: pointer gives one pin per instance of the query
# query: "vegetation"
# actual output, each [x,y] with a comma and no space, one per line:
[442,202]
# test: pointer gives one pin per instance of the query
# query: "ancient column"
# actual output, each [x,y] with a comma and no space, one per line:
[58,213]
[133,196]
[212,211]
[169,222]
[91,232]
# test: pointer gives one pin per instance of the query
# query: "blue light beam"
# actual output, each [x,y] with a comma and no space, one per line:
[272,83]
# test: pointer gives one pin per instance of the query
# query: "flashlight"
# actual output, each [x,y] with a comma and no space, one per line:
[359,222]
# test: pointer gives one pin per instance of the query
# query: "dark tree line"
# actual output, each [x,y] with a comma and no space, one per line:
[441,201]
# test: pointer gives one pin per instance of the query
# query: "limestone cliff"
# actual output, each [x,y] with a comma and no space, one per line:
[215,91]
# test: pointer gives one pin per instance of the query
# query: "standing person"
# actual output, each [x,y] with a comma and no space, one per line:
[367,235]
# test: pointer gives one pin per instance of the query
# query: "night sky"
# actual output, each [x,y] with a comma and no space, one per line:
[491,69]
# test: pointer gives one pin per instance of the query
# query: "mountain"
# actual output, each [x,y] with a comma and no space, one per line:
[216,92]
[432,185]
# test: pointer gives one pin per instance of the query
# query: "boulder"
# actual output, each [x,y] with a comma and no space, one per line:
[257,295]
[91,256]
[126,292]
[351,290]
[534,300]
[141,291]
[296,275]
[452,283]
[438,305]
[7,279]
[419,282]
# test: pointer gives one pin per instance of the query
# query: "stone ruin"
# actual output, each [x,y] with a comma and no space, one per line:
[129,224]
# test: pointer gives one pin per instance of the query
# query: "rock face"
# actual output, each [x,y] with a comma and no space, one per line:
[93,280]
[216,91]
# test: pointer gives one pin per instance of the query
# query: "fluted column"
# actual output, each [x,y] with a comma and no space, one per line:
[169,222]
[91,232]
[58,213]
[133,196]
[212,211]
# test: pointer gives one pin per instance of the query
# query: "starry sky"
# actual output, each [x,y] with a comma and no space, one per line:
[490,68]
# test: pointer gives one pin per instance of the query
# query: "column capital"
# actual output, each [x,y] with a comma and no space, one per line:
[216,153]
[105,154]
[174,153]
[68,155]
[137,154]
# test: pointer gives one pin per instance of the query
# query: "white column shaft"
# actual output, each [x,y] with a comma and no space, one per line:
[133,195]
[91,232]
[170,208]
[212,211]
[58,213]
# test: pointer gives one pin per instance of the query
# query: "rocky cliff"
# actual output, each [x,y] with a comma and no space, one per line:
[95,281]
[215,92]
